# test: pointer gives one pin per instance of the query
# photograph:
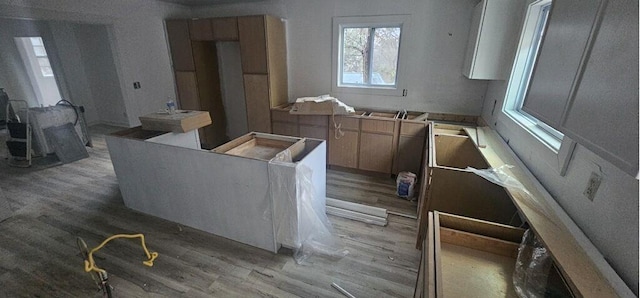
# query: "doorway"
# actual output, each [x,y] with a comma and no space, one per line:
[36,61]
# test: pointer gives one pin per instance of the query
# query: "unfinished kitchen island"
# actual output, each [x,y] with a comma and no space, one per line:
[249,190]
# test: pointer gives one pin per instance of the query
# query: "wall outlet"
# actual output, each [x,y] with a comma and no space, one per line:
[592,186]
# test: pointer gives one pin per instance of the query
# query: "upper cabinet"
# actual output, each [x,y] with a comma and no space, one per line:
[253,44]
[492,39]
[590,93]
[180,44]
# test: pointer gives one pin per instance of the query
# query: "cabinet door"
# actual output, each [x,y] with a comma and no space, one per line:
[253,46]
[344,151]
[180,45]
[225,29]
[376,152]
[603,115]
[200,29]
[256,92]
[187,86]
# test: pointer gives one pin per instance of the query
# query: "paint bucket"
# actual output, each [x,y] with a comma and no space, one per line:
[405,183]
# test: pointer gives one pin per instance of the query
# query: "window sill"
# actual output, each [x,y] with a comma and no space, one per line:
[542,135]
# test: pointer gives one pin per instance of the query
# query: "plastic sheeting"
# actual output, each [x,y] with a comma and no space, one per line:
[300,220]
[532,267]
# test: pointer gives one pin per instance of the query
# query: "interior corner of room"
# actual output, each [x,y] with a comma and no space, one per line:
[473,121]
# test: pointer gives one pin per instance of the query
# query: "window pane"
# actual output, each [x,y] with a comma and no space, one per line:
[40,51]
[355,55]
[386,43]
[43,62]
[36,41]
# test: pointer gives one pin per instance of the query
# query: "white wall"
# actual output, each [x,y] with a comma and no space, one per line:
[436,45]
[611,220]
[137,37]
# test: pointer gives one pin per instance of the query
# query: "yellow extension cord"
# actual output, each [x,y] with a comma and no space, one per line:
[90,265]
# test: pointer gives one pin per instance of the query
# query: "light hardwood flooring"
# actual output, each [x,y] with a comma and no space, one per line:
[38,254]
[372,191]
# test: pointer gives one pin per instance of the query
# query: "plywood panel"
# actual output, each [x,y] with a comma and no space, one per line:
[277,61]
[376,152]
[343,151]
[180,45]
[256,90]
[283,116]
[253,48]
[200,30]
[225,29]
[187,86]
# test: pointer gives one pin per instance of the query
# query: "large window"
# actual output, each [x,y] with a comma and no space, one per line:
[527,53]
[368,54]
[41,55]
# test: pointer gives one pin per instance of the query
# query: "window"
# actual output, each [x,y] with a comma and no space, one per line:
[530,39]
[41,56]
[367,54]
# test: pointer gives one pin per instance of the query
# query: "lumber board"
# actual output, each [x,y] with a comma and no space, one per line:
[366,218]
[375,211]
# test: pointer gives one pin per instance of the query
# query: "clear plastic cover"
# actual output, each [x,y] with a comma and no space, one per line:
[300,220]
[532,267]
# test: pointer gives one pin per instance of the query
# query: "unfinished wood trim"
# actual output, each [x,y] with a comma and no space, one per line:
[479,242]
[233,143]
[431,257]
[225,29]
[481,227]
[437,255]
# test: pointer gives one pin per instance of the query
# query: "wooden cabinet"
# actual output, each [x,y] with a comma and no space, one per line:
[283,123]
[225,29]
[263,58]
[493,35]
[313,126]
[256,93]
[344,142]
[410,146]
[200,29]
[253,46]
[187,85]
[180,44]
[377,145]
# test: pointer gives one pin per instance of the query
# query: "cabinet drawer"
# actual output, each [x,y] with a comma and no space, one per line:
[315,132]
[380,126]
[313,120]
[343,122]
[283,116]
[413,128]
[284,128]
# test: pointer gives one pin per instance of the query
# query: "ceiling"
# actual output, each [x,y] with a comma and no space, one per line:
[207,2]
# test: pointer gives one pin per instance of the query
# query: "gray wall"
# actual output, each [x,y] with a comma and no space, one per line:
[610,221]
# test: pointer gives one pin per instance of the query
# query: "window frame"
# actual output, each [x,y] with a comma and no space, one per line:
[532,34]
[44,57]
[339,23]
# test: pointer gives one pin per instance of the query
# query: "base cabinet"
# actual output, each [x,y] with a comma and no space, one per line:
[343,148]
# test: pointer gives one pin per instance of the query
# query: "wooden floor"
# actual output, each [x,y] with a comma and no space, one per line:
[372,191]
[38,254]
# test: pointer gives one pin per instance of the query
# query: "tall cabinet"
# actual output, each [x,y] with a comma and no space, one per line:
[264,69]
